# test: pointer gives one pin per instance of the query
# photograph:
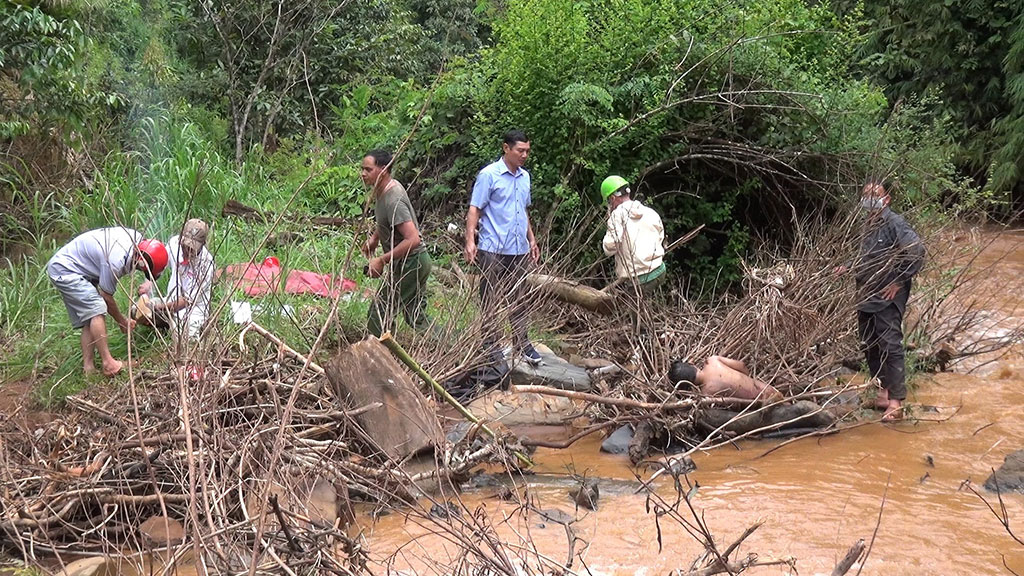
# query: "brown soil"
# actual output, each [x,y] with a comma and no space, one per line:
[18,405]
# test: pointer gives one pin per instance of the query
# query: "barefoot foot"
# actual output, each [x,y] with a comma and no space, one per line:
[882,399]
[112,367]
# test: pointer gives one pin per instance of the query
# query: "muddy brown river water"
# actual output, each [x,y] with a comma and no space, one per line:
[816,496]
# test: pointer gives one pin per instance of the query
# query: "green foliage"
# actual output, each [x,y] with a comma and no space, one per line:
[281,80]
[966,55]
[39,55]
[710,110]
[74,66]
[1006,171]
[449,29]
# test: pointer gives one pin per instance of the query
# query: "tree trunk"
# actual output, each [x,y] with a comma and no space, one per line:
[573,292]
[856,551]
[365,373]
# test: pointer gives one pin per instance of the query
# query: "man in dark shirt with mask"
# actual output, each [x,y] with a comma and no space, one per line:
[891,253]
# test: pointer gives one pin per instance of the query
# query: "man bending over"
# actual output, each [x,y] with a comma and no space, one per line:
[723,377]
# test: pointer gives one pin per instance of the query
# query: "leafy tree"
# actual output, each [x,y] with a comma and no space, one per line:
[39,81]
[261,50]
[968,56]
[279,70]
[450,29]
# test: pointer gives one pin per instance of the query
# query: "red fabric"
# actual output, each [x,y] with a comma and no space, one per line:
[305,282]
[265,277]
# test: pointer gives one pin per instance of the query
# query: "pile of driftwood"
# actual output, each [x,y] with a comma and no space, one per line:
[794,326]
[256,456]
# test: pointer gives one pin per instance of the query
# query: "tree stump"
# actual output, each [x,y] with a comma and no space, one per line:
[365,373]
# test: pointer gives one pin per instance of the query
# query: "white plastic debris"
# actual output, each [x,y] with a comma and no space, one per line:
[241,312]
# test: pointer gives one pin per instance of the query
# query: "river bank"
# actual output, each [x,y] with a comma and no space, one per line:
[816,496]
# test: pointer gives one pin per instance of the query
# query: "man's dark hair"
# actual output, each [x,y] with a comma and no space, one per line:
[514,136]
[148,270]
[381,158]
[681,371]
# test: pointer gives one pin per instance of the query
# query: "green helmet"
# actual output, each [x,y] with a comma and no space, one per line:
[611,185]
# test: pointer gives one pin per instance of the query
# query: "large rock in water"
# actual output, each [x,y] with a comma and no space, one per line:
[553,372]
[1010,476]
[618,442]
[365,373]
[513,409]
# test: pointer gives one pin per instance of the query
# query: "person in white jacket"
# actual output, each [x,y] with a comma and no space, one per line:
[635,237]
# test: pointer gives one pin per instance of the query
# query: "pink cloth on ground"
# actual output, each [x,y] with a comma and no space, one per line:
[306,282]
[265,277]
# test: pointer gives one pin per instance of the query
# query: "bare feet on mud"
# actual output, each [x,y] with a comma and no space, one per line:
[110,369]
[893,412]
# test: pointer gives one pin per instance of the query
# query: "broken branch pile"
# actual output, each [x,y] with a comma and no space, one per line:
[255,460]
[793,325]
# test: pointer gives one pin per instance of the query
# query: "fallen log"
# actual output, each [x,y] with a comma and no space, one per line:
[640,445]
[239,210]
[402,355]
[367,373]
[573,292]
[565,290]
[852,556]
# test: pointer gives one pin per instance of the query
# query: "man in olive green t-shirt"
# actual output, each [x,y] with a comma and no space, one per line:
[399,234]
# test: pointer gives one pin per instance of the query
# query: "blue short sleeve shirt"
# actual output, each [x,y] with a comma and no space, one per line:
[502,198]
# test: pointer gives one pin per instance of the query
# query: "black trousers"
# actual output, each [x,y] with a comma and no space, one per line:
[881,336]
[503,288]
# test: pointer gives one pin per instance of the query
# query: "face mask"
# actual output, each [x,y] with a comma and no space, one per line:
[872,203]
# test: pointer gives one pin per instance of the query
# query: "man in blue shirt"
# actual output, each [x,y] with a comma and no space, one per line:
[505,244]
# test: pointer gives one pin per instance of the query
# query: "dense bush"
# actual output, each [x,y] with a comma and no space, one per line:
[729,115]
[965,61]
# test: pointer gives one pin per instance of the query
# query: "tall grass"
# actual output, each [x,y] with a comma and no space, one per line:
[174,173]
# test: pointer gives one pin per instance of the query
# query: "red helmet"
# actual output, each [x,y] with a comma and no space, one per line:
[156,255]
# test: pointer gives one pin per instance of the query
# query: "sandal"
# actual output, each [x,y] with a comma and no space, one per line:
[893,414]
